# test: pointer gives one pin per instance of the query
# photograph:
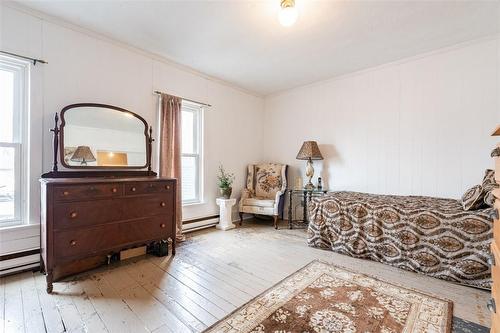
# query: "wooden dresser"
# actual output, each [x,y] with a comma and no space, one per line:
[84,218]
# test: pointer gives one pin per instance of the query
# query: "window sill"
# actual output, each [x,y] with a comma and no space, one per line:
[195,203]
[19,227]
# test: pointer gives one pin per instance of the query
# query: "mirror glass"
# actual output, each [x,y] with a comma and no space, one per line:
[100,136]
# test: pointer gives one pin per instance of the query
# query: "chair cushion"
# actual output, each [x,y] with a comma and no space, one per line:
[268,180]
[261,202]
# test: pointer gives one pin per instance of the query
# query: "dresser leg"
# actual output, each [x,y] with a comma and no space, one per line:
[173,246]
[49,281]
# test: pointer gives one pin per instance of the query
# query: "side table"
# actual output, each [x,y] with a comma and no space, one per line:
[225,213]
[306,195]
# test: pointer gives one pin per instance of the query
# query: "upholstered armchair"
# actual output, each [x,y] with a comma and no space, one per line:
[264,192]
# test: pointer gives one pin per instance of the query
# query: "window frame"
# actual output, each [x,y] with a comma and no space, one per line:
[198,111]
[20,140]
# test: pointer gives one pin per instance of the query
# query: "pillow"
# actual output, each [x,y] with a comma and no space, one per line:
[473,198]
[489,178]
[267,180]
[489,199]
[489,184]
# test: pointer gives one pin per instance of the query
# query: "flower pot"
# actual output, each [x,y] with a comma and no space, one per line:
[225,192]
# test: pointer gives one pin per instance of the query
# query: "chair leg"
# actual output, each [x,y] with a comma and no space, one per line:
[275,221]
[241,218]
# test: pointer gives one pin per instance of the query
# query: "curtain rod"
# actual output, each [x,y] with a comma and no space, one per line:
[186,99]
[24,57]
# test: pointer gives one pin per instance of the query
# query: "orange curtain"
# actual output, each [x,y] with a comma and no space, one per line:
[170,150]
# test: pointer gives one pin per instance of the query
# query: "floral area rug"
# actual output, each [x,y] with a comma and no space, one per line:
[321,297]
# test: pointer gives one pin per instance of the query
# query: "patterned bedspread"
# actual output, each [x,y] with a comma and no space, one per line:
[427,235]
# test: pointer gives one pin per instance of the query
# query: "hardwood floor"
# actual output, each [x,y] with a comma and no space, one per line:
[213,273]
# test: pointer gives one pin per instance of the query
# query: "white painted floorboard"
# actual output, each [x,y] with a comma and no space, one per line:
[213,273]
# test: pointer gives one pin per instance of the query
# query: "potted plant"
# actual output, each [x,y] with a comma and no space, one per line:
[225,180]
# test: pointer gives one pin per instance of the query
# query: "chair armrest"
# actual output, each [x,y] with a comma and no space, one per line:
[245,194]
[277,201]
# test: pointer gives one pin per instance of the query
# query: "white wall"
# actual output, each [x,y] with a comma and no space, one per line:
[85,67]
[420,126]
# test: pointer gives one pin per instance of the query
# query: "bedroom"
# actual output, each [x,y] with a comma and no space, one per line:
[380,98]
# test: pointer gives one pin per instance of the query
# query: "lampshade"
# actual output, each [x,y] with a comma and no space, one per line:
[83,154]
[309,150]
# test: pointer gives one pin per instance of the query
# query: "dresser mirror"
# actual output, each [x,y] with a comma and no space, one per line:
[98,136]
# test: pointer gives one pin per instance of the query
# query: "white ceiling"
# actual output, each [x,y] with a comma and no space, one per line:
[241,42]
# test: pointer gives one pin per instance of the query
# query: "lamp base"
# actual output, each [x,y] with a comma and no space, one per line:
[309,175]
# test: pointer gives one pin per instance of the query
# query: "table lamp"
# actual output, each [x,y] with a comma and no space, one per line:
[309,151]
[83,154]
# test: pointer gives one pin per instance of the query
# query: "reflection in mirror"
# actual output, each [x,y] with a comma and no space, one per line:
[96,136]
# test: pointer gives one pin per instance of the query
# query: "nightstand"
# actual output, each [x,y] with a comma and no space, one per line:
[306,195]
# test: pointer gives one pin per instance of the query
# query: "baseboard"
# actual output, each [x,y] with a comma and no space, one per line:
[200,224]
[208,223]
[18,263]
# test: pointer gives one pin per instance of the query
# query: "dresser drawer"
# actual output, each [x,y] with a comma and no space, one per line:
[495,287]
[146,206]
[496,224]
[495,325]
[86,213]
[497,167]
[495,271]
[86,192]
[70,215]
[148,187]
[90,241]
[495,316]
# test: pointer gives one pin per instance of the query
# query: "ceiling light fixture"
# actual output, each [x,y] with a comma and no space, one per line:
[288,13]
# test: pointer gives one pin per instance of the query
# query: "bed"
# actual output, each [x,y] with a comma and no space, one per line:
[433,236]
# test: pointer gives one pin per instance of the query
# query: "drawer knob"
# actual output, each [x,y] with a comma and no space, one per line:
[167,187]
[163,225]
[494,214]
[73,215]
[151,185]
[133,189]
[72,243]
[114,190]
[65,193]
[491,260]
[163,204]
[491,305]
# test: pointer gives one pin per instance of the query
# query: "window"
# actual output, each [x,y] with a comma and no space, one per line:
[14,84]
[191,152]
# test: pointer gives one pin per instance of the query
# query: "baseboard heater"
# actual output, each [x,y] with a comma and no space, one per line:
[206,222]
[19,262]
[200,223]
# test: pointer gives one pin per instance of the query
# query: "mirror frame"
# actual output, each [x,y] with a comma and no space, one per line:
[77,105]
